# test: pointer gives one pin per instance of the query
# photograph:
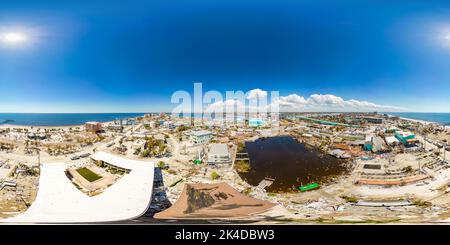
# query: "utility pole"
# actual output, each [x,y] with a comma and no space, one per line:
[445,149]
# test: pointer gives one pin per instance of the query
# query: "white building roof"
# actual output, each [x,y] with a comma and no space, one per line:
[59,201]
[391,139]
[218,149]
[201,133]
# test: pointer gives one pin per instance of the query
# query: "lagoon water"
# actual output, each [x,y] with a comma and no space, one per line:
[60,119]
[289,162]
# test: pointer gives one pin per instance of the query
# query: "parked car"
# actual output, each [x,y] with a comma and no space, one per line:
[85,155]
[74,157]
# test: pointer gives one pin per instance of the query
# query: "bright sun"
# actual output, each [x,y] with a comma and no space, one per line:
[13,37]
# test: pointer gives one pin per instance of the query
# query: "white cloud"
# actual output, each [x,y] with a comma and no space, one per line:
[292,100]
[256,94]
[230,105]
[329,102]
[298,103]
[325,99]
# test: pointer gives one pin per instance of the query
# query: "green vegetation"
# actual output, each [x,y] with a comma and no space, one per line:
[350,199]
[421,203]
[171,171]
[247,191]
[242,166]
[182,128]
[88,174]
[240,147]
[161,165]
[145,153]
[154,147]
[214,175]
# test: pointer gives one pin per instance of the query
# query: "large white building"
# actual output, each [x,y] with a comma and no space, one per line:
[201,137]
[59,201]
[218,153]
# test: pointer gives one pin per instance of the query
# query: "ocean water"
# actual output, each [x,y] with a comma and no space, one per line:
[60,119]
[442,118]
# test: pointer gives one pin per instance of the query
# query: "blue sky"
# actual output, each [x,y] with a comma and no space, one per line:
[107,56]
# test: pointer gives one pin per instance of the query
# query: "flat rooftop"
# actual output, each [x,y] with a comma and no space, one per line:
[201,132]
[218,149]
[59,201]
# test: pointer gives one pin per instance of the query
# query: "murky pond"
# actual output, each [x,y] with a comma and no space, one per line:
[290,163]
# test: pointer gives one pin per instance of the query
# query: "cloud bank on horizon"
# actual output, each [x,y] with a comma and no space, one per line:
[297,103]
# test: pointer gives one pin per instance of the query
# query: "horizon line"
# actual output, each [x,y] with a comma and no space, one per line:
[379,112]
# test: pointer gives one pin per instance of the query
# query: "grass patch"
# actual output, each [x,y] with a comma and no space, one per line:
[88,174]
[161,165]
[421,203]
[350,199]
[214,175]
[242,166]
[247,191]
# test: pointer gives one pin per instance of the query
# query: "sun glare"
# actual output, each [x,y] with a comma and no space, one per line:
[13,37]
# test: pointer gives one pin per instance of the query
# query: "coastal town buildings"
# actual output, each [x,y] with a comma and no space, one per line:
[115,127]
[201,136]
[373,155]
[376,120]
[93,127]
[256,122]
[406,138]
[125,121]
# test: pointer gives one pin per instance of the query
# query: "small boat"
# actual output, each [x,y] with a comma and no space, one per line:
[309,187]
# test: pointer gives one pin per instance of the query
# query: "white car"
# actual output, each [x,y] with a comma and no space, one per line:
[74,157]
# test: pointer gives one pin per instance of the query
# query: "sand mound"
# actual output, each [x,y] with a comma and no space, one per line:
[201,201]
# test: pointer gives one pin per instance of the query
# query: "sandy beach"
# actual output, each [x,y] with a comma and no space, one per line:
[11,126]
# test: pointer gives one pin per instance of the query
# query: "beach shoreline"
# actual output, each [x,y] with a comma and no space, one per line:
[5,126]
[29,127]
[426,122]
[420,120]
[59,120]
